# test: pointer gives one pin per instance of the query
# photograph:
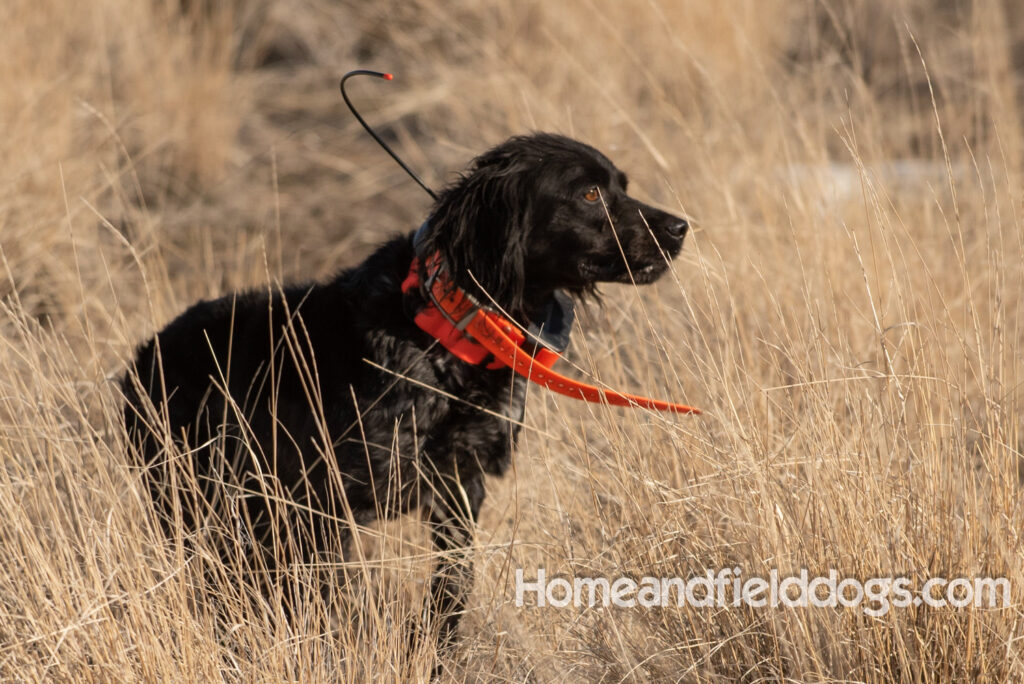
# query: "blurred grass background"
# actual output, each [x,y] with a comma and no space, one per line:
[847,310]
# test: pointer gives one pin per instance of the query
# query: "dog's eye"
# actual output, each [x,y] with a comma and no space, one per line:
[592,195]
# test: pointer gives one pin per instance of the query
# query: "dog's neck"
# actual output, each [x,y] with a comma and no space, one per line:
[536,307]
[442,306]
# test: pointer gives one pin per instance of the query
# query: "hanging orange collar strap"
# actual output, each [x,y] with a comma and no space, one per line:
[475,334]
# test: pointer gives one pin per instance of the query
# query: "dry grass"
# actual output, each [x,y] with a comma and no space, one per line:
[851,326]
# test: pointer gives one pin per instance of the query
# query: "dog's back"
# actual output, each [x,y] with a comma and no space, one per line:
[247,387]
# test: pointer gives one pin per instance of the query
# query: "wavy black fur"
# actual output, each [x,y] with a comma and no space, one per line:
[277,392]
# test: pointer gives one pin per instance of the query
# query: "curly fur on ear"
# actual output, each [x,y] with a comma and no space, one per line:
[480,225]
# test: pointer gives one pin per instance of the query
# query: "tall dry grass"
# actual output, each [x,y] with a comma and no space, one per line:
[847,311]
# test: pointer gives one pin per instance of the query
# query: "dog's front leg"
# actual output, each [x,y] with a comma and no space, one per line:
[452,514]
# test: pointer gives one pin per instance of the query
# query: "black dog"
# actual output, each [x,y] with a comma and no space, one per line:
[282,396]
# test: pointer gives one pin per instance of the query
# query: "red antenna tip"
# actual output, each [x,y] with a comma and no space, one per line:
[388,77]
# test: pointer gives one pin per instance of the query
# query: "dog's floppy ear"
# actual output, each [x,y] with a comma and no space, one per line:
[480,225]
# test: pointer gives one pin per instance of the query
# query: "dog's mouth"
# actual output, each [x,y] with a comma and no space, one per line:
[615,270]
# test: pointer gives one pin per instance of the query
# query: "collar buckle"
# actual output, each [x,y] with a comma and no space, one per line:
[450,301]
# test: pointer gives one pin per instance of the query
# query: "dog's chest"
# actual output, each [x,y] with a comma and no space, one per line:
[448,411]
[481,429]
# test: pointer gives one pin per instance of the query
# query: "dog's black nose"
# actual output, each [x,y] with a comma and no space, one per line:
[678,228]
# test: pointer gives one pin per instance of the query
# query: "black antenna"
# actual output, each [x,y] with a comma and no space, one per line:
[386,77]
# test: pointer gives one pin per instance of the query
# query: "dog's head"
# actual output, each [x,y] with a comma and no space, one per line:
[544,212]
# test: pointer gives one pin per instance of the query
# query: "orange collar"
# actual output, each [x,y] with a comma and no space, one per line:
[475,333]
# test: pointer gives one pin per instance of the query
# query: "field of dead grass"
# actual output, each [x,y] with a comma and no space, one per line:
[847,311]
